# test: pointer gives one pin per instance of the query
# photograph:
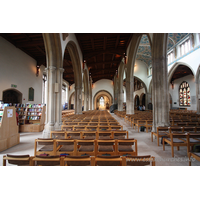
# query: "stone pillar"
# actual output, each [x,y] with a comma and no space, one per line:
[78,100]
[198,92]
[58,106]
[90,94]
[86,100]
[120,87]
[160,93]
[50,107]
[129,96]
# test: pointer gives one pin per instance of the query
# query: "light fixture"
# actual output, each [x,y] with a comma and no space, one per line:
[37,70]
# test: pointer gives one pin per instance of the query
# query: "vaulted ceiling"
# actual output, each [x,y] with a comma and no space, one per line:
[101,51]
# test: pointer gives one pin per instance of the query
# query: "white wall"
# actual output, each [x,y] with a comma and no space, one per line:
[16,67]
[175,92]
[140,71]
[124,89]
[192,59]
[103,84]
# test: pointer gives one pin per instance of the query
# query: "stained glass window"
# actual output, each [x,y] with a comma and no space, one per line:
[184,94]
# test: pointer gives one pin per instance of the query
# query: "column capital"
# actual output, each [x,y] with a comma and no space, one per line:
[51,68]
[61,70]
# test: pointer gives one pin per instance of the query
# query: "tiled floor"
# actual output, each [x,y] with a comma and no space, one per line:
[145,147]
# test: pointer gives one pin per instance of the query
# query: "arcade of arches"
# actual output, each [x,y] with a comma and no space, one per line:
[158,70]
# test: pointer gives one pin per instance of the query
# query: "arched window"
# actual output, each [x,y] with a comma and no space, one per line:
[101,101]
[184,94]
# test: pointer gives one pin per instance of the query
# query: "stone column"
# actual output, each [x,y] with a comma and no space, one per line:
[160,93]
[78,100]
[90,94]
[198,92]
[120,87]
[58,106]
[129,96]
[50,107]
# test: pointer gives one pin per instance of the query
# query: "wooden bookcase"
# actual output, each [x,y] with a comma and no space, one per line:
[9,135]
[34,119]
[21,110]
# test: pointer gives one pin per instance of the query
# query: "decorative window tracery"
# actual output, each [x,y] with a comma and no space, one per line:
[184,94]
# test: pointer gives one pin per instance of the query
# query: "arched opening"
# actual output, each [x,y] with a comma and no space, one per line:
[12,96]
[102,100]
[137,101]
[182,86]
[73,74]
[142,99]
[72,101]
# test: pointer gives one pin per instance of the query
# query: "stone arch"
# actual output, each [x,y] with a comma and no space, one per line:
[12,96]
[73,52]
[130,72]
[175,66]
[101,93]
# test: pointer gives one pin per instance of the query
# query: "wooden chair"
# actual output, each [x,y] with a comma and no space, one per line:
[86,147]
[193,139]
[103,127]
[67,127]
[121,134]
[175,139]
[195,155]
[108,160]
[140,123]
[124,147]
[116,127]
[138,160]
[83,123]
[66,147]
[149,124]
[84,160]
[19,160]
[105,147]
[74,135]
[46,161]
[89,135]
[58,134]
[92,127]
[161,131]
[49,146]
[104,135]
[79,127]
